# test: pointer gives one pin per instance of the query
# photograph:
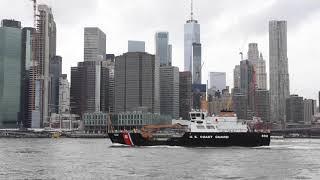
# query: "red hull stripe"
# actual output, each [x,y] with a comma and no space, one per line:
[127,138]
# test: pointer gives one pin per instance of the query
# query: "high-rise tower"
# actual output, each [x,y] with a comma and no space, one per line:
[259,66]
[279,76]
[10,73]
[192,43]
[45,42]
[162,47]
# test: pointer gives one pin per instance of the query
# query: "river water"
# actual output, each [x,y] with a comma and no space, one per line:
[99,159]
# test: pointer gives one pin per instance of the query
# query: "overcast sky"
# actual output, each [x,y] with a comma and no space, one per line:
[227,26]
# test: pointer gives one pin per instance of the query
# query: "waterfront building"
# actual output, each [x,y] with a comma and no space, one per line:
[109,64]
[64,94]
[137,119]
[28,76]
[185,94]
[95,122]
[310,109]
[259,66]
[162,47]
[86,94]
[94,84]
[240,107]
[65,121]
[44,49]
[295,109]
[262,104]
[219,103]
[94,44]
[136,46]
[137,82]
[11,73]
[279,75]
[217,81]
[236,76]
[55,73]
[169,91]
[199,92]
[247,83]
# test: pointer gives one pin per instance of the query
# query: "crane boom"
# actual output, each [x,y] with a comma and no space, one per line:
[34,13]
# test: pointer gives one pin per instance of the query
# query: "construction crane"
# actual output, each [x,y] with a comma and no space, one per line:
[34,13]
[241,54]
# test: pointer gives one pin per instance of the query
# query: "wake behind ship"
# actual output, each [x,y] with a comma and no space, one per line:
[200,131]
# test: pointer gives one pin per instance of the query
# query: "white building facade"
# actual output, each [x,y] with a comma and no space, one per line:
[64,94]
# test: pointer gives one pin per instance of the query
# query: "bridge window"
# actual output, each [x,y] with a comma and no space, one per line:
[210,127]
[193,116]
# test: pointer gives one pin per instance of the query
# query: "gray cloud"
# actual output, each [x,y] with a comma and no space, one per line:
[226,25]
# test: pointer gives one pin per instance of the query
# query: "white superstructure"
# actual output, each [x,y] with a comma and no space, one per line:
[226,122]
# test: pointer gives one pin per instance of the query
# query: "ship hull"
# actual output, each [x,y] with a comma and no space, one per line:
[195,139]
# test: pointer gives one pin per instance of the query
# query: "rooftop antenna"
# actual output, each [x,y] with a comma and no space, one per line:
[191,15]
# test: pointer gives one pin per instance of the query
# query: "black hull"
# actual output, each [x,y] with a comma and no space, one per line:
[195,139]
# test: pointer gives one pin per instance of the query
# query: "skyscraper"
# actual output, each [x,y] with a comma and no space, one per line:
[137,82]
[170,54]
[109,63]
[259,66]
[169,91]
[247,86]
[28,76]
[196,63]
[310,107]
[85,95]
[136,46]
[185,94]
[236,76]
[294,109]
[217,81]
[55,73]
[191,36]
[95,51]
[64,94]
[44,50]
[262,104]
[10,74]
[279,76]
[162,47]
[94,44]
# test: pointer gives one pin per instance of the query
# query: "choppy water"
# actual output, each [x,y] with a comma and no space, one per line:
[98,159]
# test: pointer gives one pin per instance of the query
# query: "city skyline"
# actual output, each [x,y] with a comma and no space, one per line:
[219,41]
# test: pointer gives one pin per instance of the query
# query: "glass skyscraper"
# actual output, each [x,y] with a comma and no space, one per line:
[162,47]
[192,49]
[10,75]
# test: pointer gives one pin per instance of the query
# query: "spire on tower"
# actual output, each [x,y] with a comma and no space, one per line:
[191,15]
